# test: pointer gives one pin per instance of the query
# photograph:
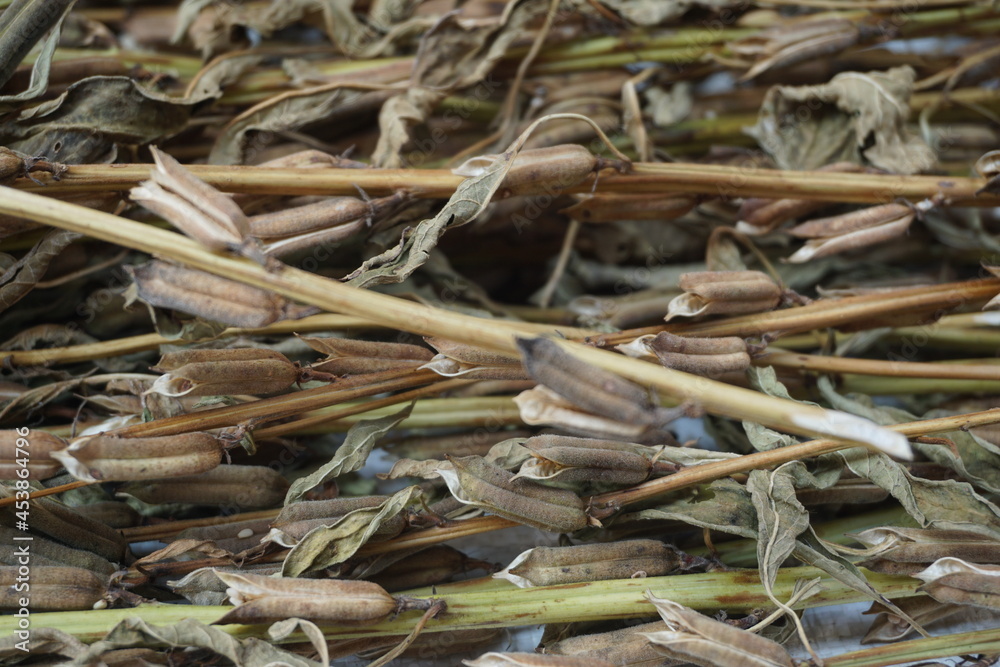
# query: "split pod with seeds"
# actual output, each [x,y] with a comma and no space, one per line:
[549,566]
[102,458]
[224,372]
[262,599]
[477,482]
[570,459]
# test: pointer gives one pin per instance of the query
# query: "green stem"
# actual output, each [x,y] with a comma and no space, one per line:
[965,643]
[513,607]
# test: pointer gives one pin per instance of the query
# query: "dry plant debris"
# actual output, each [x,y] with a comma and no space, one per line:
[299,294]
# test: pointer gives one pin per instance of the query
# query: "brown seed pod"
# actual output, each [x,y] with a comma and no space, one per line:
[534,660]
[296,520]
[33,450]
[214,298]
[549,566]
[478,482]
[346,356]
[435,565]
[573,459]
[270,599]
[103,457]
[608,207]
[50,553]
[51,588]
[724,292]
[234,537]
[955,581]
[627,646]
[240,486]
[64,525]
[112,513]
[542,170]
[224,372]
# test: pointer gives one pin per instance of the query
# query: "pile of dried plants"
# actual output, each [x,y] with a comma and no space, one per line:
[300,295]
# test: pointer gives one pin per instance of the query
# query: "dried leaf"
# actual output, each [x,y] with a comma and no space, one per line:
[351,455]
[704,641]
[134,631]
[25,23]
[329,545]
[841,118]
[63,129]
[534,660]
[22,277]
[470,199]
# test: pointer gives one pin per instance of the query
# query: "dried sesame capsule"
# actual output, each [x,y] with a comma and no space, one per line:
[224,372]
[103,457]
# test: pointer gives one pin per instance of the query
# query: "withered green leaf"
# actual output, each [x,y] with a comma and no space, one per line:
[135,632]
[23,25]
[351,455]
[124,112]
[724,505]
[842,117]
[329,545]
[21,278]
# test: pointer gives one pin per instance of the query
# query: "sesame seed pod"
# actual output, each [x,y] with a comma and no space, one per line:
[954,581]
[550,566]
[435,565]
[361,365]
[112,513]
[470,354]
[988,166]
[620,647]
[707,365]
[324,509]
[110,458]
[214,298]
[349,347]
[704,641]
[50,553]
[36,450]
[888,626]
[595,390]
[64,525]
[494,659]
[731,285]
[851,222]
[224,372]
[52,588]
[262,599]
[824,247]
[308,218]
[521,500]
[615,207]
[541,170]
[218,207]
[668,342]
[241,486]
[591,456]
[323,237]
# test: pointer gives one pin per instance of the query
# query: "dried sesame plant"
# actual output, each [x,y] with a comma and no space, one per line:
[385,329]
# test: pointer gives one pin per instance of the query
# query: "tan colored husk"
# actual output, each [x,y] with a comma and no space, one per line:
[533,660]
[955,581]
[64,525]
[51,588]
[601,207]
[262,599]
[110,458]
[34,449]
[228,486]
[540,170]
[550,566]
[224,372]
[477,482]
[212,297]
[627,646]
[50,553]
